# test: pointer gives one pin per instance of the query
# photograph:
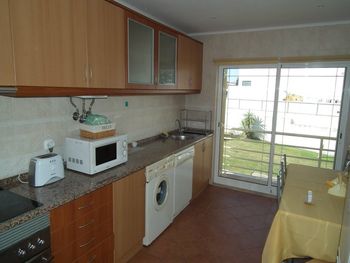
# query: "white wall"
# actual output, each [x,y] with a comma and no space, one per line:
[309,41]
[26,122]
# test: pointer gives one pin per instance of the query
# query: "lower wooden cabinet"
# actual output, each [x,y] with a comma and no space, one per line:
[128,215]
[202,166]
[79,228]
[102,253]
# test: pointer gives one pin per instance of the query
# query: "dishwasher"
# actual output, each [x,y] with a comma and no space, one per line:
[183,179]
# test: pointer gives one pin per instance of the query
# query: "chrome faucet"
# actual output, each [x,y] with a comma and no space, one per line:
[179,124]
[347,165]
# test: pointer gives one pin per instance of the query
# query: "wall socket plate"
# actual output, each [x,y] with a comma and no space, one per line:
[49,144]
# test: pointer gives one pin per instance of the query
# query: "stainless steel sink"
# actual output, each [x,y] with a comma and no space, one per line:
[181,137]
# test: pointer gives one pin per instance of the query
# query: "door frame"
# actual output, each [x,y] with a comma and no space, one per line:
[343,126]
[344,123]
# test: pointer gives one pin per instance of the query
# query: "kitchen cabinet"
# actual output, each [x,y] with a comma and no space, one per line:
[202,165]
[49,39]
[83,228]
[7,74]
[152,54]
[106,45]
[190,57]
[92,47]
[167,66]
[64,43]
[129,215]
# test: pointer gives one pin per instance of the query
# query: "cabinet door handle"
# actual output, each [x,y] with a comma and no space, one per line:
[87,243]
[90,72]
[85,206]
[86,73]
[87,224]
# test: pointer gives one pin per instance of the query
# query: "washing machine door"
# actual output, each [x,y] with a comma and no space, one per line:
[161,193]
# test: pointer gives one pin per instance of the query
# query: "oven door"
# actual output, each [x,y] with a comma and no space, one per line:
[44,256]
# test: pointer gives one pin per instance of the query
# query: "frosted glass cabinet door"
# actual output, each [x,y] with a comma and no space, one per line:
[167,59]
[141,53]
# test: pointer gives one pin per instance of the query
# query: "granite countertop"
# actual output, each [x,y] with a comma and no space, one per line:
[75,184]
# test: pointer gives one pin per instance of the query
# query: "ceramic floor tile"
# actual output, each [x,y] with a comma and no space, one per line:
[221,225]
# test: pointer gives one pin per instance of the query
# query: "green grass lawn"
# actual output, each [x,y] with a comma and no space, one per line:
[233,154]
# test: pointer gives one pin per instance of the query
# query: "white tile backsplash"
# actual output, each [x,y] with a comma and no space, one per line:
[26,122]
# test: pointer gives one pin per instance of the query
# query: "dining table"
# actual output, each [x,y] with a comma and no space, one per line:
[301,229]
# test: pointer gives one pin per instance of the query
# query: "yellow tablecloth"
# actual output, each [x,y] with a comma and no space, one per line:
[300,230]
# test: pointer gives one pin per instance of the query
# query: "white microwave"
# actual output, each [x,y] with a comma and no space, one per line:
[93,156]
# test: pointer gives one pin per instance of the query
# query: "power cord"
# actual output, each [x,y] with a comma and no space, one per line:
[20,180]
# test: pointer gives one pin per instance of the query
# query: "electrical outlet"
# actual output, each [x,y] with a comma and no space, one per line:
[49,144]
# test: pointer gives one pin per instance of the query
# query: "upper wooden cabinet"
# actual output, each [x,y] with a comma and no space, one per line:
[167,60]
[92,47]
[49,39]
[64,43]
[106,45]
[190,57]
[151,54]
[141,55]
[7,74]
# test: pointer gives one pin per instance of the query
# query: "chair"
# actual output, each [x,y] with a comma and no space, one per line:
[281,177]
[284,157]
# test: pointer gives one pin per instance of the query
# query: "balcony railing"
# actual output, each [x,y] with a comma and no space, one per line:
[294,107]
[321,160]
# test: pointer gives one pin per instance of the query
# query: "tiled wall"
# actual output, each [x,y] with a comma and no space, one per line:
[26,122]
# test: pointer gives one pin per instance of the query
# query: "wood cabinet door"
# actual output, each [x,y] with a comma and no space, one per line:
[142,55]
[190,55]
[184,63]
[101,253]
[207,160]
[106,45]
[202,166]
[196,65]
[49,39]
[129,215]
[7,73]
[197,169]
[167,58]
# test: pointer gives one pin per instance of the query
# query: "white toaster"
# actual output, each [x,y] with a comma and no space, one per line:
[45,169]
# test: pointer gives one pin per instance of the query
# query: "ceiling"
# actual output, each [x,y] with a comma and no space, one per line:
[209,16]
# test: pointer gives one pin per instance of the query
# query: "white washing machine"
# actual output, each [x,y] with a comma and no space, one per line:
[159,198]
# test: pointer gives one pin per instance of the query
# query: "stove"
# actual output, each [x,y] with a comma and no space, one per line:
[28,241]
[12,205]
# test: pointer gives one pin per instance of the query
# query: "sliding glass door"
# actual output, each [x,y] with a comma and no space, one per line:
[267,111]
[246,134]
